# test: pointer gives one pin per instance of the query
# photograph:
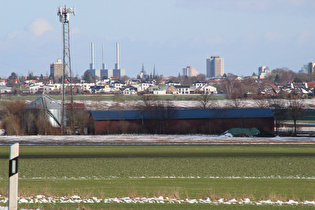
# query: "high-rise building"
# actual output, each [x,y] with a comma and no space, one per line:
[190,72]
[215,66]
[311,67]
[56,69]
[304,69]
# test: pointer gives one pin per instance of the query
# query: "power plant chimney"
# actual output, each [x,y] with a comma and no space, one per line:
[92,56]
[117,56]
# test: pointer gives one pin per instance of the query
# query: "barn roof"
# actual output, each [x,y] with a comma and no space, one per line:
[182,114]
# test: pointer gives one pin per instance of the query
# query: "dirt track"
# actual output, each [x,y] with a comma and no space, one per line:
[149,140]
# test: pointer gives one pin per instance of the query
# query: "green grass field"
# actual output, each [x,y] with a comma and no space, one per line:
[248,171]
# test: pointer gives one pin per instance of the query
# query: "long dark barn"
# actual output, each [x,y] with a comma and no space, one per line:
[180,121]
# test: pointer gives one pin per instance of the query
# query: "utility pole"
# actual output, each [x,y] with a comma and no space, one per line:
[64,13]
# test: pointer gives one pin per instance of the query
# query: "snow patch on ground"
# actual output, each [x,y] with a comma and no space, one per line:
[178,177]
[127,139]
[246,103]
[78,199]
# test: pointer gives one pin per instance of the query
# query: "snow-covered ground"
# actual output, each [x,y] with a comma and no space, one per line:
[162,200]
[148,139]
[244,103]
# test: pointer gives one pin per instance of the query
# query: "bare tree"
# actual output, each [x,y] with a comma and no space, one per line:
[80,120]
[159,114]
[278,106]
[235,103]
[207,101]
[42,123]
[262,102]
[119,103]
[149,101]
[295,110]
[281,75]
[204,101]
[229,88]
[11,116]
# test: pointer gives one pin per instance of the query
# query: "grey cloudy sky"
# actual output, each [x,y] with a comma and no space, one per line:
[169,34]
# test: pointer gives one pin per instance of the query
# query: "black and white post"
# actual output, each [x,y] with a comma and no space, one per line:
[13,176]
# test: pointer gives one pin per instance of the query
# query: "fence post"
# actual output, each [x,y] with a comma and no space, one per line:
[13,176]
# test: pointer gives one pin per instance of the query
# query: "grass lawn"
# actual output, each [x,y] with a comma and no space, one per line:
[249,171]
[180,188]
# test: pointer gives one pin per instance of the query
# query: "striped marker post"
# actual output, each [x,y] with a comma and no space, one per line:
[13,176]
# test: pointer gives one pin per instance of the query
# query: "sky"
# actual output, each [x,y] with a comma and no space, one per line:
[167,34]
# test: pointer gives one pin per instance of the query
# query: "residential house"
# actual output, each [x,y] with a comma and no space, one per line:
[116,86]
[100,89]
[142,87]
[198,84]
[171,90]
[86,87]
[129,90]
[5,89]
[133,82]
[3,82]
[49,88]
[158,91]
[208,89]
[35,88]
[183,89]
[171,83]
[204,88]
[153,88]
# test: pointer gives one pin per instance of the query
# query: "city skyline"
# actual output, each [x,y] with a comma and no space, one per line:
[166,34]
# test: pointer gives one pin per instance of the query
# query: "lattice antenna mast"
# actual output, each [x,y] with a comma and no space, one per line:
[64,13]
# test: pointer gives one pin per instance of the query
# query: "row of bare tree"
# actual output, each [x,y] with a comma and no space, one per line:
[283,109]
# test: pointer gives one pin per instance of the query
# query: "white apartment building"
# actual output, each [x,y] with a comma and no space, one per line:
[190,72]
[56,69]
[215,66]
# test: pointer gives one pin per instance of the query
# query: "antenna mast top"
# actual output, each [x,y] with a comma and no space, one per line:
[63,13]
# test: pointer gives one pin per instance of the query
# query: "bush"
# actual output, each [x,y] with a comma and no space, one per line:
[11,115]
